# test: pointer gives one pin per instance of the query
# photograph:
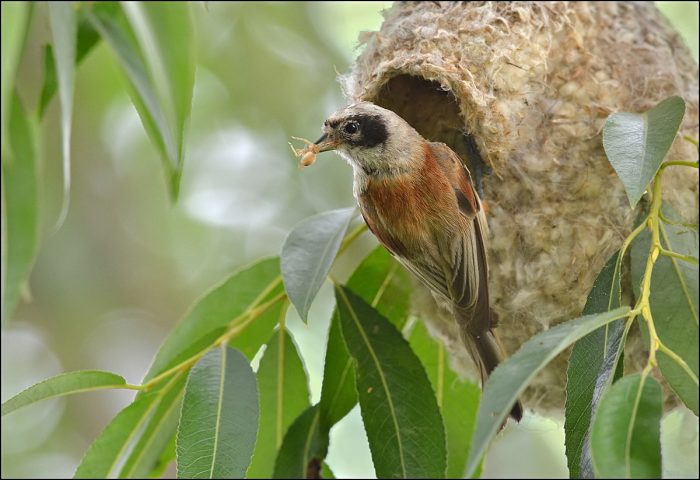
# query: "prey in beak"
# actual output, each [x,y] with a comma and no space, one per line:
[309,152]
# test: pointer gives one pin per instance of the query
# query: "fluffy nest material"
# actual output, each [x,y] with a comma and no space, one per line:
[533,84]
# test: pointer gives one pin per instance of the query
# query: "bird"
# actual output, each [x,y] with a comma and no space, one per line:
[418,199]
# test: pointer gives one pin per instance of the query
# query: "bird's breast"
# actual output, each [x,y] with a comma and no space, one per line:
[406,211]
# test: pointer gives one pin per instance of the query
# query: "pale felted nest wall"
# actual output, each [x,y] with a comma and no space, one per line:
[533,83]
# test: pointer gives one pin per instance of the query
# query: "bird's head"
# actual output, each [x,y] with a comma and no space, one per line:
[374,140]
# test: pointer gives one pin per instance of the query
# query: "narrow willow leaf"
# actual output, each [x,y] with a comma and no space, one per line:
[380,281]
[284,395]
[304,446]
[87,39]
[511,377]
[458,399]
[246,289]
[20,210]
[674,305]
[118,34]
[15,17]
[399,410]
[308,253]
[64,29]
[626,430]
[219,419]
[636,143]
[64,384]
[158,433]
[106,451]
[591,370]
[158,27]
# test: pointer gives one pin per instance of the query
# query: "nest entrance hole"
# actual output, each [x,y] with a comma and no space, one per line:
[427,107]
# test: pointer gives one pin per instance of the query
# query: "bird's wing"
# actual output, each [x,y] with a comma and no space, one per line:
[469,270]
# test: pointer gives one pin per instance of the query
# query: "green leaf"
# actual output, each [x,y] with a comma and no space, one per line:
[511,377]
[284,395]
[400,414]
[165,459]
[87,39]
[308,253]
[158,27]
[626,430]
[383,283]
[104,454]
[64,28]
[674,305]
[232,299]
[380,281]
[219,420]
[304,445]
[338,394]
[64,384]
[146,92]
[19,204]
[458,399]
[158,433]
[258,331]
[636,144]
[15,17]
[591,369]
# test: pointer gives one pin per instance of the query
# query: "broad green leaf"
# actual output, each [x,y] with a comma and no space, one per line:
[240,293]
[64,29]
[157,27]
[284,395]
[105,453]
[591,367]
[158,433]
[674,305]
[15,17]
[636,143]
[19,204]
[383,283]
[308,253]
[116,31]
[219,419]
[64,384]
[625,438]
[511,377]
[458,399]
[399,410]
[304,446]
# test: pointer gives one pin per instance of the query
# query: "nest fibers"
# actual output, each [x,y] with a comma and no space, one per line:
[533,84]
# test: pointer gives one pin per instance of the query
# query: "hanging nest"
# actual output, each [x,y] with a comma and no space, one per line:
[533,83]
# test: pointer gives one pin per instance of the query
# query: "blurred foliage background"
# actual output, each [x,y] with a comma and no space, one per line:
[125,266]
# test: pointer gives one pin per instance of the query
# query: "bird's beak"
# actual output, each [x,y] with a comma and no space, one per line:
[325,143]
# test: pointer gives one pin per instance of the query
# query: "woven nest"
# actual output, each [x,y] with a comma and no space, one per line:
[533,84]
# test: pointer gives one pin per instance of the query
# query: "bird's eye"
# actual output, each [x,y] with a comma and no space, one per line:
[351,127]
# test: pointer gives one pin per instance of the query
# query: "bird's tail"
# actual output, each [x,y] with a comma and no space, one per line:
[487,352]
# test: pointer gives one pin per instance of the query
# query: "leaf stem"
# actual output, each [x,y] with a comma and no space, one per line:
[686,258]
[678,163]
